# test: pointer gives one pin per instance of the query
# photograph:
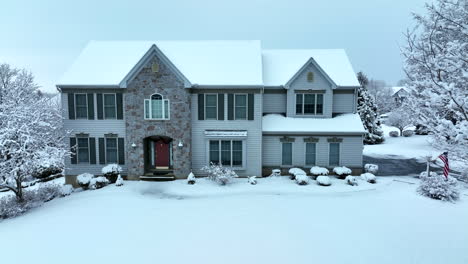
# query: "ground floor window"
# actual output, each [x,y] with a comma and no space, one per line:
[226,152]
[111,150]
[334,154]
[83,150]
[286,153]
[310,153]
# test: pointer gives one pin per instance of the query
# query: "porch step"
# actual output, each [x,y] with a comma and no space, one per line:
[167,177]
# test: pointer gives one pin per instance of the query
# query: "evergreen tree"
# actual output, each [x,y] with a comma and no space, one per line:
[368,113]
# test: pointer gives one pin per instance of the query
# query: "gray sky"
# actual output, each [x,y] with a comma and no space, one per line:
[46,36]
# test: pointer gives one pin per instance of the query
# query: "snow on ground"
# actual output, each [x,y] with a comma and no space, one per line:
[275,221]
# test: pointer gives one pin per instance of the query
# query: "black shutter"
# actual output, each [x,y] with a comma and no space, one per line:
[230,106]
[71,106]
[102,151]
[119,97]
[73,150]
[92,150]
[100,114]
[90,106]
[201,106]
[250,110]
[220,106]
[121,149]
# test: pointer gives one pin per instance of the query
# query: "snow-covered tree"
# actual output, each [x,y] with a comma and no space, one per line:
[400,118]
[30,130]
[368,113]
[436,63]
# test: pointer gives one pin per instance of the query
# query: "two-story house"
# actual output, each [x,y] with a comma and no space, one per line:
[161,109]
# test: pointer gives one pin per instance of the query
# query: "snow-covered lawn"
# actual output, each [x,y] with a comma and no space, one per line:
[275,221]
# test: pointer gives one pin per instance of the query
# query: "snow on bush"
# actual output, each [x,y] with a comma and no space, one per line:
[98,182]
[111,171]
[351,180]
[324,180]
[296,171]
[302,179]
[219,174]
[252,180]
[84,179]
[119,181]
[394,133]
[66,190]
[438,187]
[369,177]
[408,133]
[191,178]
[317,171]
[371,168]
[342,171]
[275,172]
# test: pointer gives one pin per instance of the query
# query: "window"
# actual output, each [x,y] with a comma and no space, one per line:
[334,154]
[286,153]
[110,106]
[157,108]
[81,106]
[309,104]
[83,150]
[310,153]
[111,150]
[240,106]
[226,152]
[211,106]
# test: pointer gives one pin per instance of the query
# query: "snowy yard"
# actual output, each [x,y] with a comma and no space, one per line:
[275,221]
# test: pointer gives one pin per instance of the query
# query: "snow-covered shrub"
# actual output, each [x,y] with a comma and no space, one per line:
[408,133]
[48,192]
[66,190]
[438,187]
[84,179]
[351,180]
[252,180]
[46,171]
[119,181]
[324,180]
[371,168]
[219,174]
[191,178]
[317,171]
[369,177]
[296,171]
[394,133]
[111,172]
[342,172]
[302,179]
[98,182]
[275,172]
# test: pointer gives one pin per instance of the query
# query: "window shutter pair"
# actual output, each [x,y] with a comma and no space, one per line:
[250,107]
[71,106]
[201,106]
[92,150]
[120,149]
[100,106]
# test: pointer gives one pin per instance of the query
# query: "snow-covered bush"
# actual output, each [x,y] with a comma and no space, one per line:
[371,168]
[342,172]
[369,177]
[296,171]
[438,187]
[98,182]
[191,178]
[408,133]
[275,172]
[48,192]
[302,179]
[394,133]
[119,181]
[351,180]
[324,180]
[111,172]
[84,179]
[219,174]
[317,171]
[252,180]
[66,190]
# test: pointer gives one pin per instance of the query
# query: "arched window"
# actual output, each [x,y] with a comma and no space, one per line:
[157,107]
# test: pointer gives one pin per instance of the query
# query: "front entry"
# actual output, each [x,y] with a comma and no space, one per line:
[161,154]
[158,155]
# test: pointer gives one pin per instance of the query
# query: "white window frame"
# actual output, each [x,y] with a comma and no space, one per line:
[339,153]
[78,151]
[305,155]
[217,106]
[292,154]
[104,105]
[166,116]
[237,167]
[116,147]
[87,105]
[315,103]
[246,106]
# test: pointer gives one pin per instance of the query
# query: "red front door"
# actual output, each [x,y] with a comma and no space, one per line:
[161,154]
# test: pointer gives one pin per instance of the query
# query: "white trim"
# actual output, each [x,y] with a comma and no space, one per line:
[339,153]
[87,105]
[246,106]
[244,152]
[303,104]
[220,133]
[150,105]
[217,106]
[305,154]
[304,67]
[105,150]
[78,152]
[292,154]
[104,105]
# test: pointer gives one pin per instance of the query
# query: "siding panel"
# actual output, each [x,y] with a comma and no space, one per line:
[343,103]
[274,103]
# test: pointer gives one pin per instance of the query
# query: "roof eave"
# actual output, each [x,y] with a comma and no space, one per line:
[310,61]
[316,133]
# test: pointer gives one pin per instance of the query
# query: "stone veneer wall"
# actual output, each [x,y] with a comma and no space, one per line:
[166,83]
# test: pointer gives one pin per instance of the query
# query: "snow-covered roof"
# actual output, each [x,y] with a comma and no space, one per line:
[345,123]
[396,89]
[280,65]
[201,62]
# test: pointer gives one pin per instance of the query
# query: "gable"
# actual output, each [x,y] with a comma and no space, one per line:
[320,81]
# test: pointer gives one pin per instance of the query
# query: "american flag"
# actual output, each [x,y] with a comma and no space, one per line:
[444,158]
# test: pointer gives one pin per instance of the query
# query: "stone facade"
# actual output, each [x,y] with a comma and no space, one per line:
[170,86]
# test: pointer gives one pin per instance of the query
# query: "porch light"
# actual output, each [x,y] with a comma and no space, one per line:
[133,145]
[180,144]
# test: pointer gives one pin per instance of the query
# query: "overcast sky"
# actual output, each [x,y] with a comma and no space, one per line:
[46,36]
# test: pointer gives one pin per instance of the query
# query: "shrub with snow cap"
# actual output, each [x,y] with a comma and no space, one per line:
[252,180]
[84,179]
[369,177]
[324,180]
[438,187]
[342,172]
[98,182]
[408,133]
[371,168]
[111,172]
[351,180]
[317,171]
[219,174]
[275,172]
[394,133]
[119,181]
[191,178]
[302,179]
[295,171]
[66,190]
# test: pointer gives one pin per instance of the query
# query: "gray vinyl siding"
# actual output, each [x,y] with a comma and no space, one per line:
[343,103]
[350,151]
[274,103]
[253,141]
[95,128]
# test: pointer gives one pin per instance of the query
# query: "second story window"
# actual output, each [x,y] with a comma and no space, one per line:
[309,104]
[211,106]
[81,106]
[240,105]
[110,106]
[157,108]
